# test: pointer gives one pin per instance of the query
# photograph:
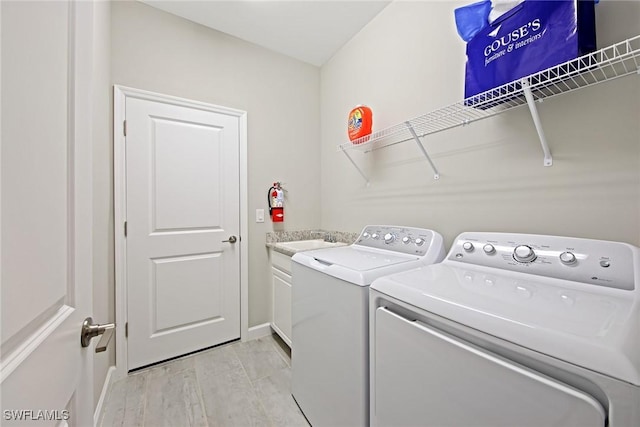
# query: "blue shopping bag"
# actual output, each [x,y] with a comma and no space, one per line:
[533,36]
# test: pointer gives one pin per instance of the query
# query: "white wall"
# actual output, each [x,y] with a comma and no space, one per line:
[408,61]
[159,52]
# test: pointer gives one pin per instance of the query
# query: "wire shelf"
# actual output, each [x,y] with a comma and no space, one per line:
[606,64]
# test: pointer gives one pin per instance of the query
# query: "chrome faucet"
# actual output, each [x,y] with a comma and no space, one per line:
[328,237]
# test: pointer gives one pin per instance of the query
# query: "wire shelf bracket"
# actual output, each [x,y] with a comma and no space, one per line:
[346,153]
[526,88]
[609,63]
[436,174]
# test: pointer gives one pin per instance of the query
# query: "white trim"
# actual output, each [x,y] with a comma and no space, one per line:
[120,94]
[106,387]
[119,202]
[258,331]
[174,100]
[0,169]
[244,229]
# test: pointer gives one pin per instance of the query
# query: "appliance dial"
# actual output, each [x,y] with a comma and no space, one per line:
[524,253]
[467,246]
[366,235]
[419,241]
[375,236]
[489,249]
[406,240]
[389,238]
[567,258]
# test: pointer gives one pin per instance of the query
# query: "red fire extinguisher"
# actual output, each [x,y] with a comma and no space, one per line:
[275,197]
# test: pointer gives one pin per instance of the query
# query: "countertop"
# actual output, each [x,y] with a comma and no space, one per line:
[273,238]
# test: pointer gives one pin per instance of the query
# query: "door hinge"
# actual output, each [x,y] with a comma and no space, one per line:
[125,229]
[126,330]
[124,128]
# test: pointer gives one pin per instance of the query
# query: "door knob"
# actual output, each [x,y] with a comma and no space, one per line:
[90,330]
[231,239]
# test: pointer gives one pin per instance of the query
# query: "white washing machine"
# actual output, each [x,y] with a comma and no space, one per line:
[510,330]
[330,315]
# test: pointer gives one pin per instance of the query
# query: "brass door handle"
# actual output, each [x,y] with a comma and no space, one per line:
[231,239]
[90,330]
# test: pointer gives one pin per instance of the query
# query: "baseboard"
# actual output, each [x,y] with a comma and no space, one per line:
[258,331]
[103,395]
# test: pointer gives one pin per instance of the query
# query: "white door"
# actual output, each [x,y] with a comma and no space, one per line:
[182,204]
[46,376]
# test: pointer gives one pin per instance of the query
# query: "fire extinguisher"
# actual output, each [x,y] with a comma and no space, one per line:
[275,197]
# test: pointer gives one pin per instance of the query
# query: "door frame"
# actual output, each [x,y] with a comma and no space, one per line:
[120,95]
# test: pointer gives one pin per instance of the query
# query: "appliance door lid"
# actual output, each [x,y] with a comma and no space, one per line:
[467,385]
[359,259]
[591,326]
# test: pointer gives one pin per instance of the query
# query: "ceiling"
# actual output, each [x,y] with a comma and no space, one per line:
[308,30]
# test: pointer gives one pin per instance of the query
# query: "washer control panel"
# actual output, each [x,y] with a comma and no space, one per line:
[408,240]
[596,262]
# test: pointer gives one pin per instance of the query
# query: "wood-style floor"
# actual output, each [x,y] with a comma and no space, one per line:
[236,384]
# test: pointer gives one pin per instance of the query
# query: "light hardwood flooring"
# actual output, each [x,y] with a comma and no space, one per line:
[236,384]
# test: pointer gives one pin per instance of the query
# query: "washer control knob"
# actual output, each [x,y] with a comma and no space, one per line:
[419,241]
[366,235]
[467,246]
[406,240]
[524,253]
[567,258]
[489,249]
[605,263]
[375,236]
[389,238]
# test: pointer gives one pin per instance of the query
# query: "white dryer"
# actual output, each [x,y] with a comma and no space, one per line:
[510,330]
[330,315]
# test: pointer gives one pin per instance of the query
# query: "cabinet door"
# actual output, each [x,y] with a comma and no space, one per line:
[423,374]
[280,261]
[282,304]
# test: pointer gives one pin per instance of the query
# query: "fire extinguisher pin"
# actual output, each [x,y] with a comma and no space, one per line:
[278,186]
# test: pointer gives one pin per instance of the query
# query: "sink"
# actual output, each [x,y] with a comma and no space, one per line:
[306,245]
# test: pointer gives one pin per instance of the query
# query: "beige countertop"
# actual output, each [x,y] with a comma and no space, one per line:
[314,239]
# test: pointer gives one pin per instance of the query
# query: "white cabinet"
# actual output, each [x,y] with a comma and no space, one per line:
[281,283]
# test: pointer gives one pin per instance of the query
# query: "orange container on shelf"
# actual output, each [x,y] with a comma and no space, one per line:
[360,122]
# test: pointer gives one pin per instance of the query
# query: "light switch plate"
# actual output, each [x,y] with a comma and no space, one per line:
[259,215]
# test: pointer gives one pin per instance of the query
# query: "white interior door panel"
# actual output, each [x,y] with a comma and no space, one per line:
[183,279]
[46,377]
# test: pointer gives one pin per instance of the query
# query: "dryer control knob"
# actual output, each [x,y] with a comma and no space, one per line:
[489,249]
[375,236]
[524,253]
[567,258]
[467,246]
[366,235]
[406,240]
[389,238]
[419,241]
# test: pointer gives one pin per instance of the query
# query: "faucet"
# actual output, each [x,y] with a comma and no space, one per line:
[328,237]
